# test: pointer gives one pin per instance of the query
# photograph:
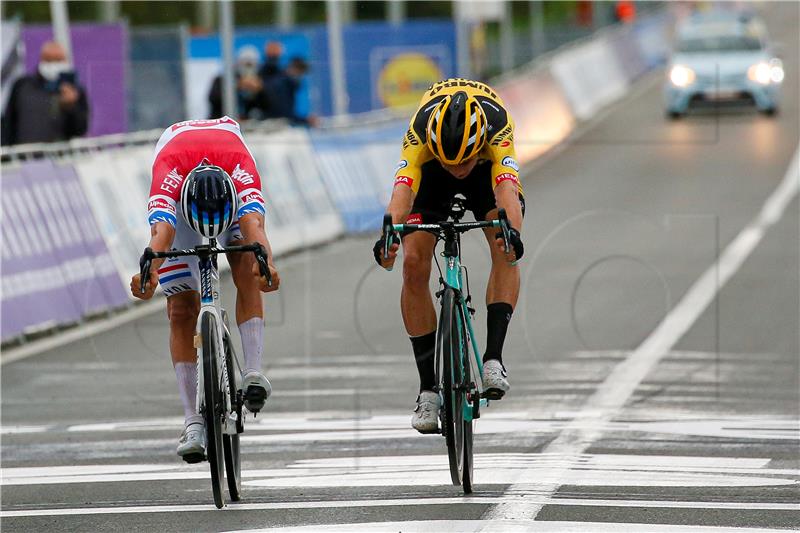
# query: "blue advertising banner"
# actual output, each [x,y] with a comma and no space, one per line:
[357,167]
[399,62]
[385,65]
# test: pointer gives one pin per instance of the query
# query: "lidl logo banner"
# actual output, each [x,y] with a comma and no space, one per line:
[401,74]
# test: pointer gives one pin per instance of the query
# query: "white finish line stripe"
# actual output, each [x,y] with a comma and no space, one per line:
[149,509]
[611,396]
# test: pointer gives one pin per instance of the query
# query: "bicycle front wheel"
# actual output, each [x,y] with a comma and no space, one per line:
[212,408]
[450,347]
[230,443]
[466,405]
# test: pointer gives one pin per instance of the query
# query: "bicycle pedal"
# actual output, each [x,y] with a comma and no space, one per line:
[194,458]
[493,394]
[255,398]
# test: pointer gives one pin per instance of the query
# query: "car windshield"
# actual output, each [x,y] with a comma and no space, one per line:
[719,43]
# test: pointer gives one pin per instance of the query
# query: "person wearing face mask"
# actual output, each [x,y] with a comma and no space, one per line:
[251,99]
[48,105]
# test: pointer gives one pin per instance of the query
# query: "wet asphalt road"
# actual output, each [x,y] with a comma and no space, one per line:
[621,224]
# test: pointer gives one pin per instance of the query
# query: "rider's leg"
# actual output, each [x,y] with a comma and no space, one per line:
[502,292]
[249,310]
[182,310]
[249,317]
[416,304]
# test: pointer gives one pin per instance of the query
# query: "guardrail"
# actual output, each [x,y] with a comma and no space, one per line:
[73,213]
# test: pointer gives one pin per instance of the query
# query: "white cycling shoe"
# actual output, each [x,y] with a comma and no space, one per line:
[495,384]
[426,415]
[192,444]
[256,389]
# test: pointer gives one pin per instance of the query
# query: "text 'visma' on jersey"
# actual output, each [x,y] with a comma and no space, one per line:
[499,148]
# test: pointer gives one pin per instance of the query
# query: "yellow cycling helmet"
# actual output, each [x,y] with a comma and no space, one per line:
[456,129]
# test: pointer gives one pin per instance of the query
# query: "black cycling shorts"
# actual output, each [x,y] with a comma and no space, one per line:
[438,187]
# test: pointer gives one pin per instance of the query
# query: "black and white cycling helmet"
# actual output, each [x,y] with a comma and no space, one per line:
[208,200]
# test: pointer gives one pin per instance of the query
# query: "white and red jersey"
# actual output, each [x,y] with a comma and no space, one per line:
[185,145]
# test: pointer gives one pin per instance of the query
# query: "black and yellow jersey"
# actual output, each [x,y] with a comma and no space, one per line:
[499,147]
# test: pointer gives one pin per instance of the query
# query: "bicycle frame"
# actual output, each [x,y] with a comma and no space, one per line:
[209,304]
[452,277]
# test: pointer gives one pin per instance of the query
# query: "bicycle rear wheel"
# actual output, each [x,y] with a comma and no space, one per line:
[212,408]
[230,443]
[452,380]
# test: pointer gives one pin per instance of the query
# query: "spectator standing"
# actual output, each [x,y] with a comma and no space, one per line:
[47,106]
[251,98]
[273,51]
[282,87]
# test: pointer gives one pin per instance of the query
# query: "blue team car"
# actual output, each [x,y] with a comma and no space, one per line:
[722,60]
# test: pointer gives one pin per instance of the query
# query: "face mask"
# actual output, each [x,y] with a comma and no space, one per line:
[51,70]
[247,69]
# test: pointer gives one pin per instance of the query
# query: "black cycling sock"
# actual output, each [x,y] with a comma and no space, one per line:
[424,346]
[498,315]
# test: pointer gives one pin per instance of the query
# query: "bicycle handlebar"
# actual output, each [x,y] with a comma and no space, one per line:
[460,227]
[146,260]
[388,234]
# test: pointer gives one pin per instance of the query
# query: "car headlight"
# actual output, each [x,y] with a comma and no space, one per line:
[760,73]
[776,73]
[681,76]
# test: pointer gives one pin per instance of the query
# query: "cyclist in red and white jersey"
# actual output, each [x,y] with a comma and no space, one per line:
[214,149]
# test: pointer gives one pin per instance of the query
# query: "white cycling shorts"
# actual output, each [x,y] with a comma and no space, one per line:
[180,274]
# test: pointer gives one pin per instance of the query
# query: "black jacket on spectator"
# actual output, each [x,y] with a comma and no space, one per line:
[282,90]
[251,106]
[34,113]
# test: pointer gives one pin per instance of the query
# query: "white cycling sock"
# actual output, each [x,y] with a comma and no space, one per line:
[187,388]
[252,333]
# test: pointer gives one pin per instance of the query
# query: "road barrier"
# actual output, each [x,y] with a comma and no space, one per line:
[74,213]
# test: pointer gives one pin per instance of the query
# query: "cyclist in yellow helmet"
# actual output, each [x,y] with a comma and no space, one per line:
[460,141]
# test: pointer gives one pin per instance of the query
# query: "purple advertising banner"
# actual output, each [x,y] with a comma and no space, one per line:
[105,278]
[34,291]
[100,56]
[91,274]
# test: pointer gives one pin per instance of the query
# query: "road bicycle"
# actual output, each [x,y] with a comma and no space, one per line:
[460,394]
[219,396]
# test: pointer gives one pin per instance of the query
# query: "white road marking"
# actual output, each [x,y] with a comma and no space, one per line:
[612,395]
[432,470]
[325,425]
[400,502]
[506,526]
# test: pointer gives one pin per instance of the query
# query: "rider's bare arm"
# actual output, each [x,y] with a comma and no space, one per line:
[506,196]
[399,207]
[400,204]
[161,236]
[252,227]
